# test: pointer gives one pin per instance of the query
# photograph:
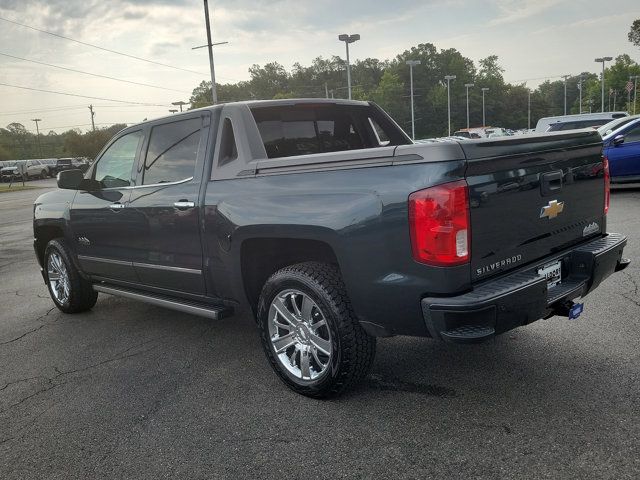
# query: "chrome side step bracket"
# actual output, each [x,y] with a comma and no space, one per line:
[213,312]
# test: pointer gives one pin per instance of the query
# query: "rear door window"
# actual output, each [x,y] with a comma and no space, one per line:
[172,152]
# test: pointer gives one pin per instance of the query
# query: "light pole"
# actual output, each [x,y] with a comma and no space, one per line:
[179,104]
[580,88]
[565,92]
[38,134]
[635,91]
[603,60]
[448,78]
[412,63]
[529,109]
[484,121]
[347,39]
[468,86]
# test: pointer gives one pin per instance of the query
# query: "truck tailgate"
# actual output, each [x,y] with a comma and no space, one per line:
[531,196]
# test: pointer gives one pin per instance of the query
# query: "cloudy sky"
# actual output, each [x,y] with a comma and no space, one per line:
[533,38]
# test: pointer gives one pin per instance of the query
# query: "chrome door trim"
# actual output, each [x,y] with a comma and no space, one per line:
[104,260]
[192,271]
[168,268]
[184,205]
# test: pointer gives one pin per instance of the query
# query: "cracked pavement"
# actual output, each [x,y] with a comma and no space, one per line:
[134,391]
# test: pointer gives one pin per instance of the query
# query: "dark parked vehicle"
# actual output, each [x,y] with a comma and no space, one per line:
[63,164]
[333,228]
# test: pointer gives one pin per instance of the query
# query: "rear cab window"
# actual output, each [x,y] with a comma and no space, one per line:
[307,129]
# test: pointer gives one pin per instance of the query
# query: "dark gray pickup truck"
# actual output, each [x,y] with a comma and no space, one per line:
[333,228]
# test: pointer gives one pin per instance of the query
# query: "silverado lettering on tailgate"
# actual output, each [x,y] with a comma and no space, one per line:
[497,265]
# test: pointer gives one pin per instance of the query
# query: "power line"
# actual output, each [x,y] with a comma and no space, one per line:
[81,96]
[79,125]
[43,110]
[92,74]
[100,48]
[76,107]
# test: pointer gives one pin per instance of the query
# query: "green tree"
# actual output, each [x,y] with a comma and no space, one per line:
[5,153]
[634,33]
[90,143]
[389,95]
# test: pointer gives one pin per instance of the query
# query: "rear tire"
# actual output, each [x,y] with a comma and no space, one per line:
[69,291]
[310,333]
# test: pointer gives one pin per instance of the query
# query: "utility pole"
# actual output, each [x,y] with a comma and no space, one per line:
[615,96]
[565,92]
[412,63]
[93,124]
[448,78]
[38,134]
[326,90]
[214,94]
[629,95]
[484,120]
[468,86]
[347,39]
[179,104]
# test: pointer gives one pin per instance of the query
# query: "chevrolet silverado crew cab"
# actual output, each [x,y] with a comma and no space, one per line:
[325,221]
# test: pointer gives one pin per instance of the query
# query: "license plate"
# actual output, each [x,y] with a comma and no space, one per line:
[552,272]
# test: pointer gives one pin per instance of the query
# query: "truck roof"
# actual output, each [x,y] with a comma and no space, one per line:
[260,104]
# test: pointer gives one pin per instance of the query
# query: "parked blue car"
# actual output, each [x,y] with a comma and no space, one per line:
[622,148]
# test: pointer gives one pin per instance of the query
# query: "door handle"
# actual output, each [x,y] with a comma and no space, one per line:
[183,204]
[116,206]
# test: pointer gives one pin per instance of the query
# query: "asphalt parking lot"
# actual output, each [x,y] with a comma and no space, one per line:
[134,391]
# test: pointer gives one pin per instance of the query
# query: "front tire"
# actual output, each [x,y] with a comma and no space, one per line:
[309,331]
[69,291]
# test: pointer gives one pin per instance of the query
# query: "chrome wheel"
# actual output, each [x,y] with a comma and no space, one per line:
[299,334]
[58,278]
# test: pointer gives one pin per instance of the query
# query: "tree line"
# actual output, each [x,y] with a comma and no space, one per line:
[17,143]
[387,83]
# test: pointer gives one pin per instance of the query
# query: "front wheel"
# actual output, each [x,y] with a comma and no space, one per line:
[309,331]
[69,291]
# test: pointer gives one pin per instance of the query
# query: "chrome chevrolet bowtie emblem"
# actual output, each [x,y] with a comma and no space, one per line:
[552,210]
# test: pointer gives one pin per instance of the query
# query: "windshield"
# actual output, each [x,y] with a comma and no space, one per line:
[609,128]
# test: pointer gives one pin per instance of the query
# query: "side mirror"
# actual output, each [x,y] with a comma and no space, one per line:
[618,140]
[70,179]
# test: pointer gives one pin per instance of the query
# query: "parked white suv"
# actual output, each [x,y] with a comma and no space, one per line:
[570,122]
[37,169]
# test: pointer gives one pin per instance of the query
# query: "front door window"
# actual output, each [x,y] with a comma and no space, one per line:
[114,167]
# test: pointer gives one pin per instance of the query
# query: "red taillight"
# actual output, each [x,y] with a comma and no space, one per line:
[607,184]
[439,224]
